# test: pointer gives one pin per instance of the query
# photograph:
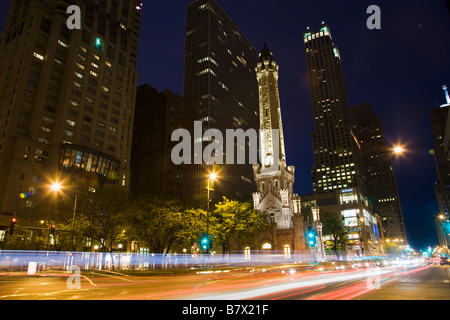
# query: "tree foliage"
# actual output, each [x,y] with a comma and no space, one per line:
[232,218]
[333,226]
[102,214]
[164,224]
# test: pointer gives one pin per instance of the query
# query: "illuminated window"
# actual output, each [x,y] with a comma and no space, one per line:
[348,197]
[37,55]
[65,45]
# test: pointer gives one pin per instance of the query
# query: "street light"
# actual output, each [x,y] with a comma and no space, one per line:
[212,177]
[398,150]
[56,187]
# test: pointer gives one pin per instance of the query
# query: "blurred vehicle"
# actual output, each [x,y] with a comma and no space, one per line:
[444,260]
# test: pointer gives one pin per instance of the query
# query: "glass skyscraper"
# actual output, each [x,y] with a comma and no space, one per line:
[220,82]
[337,155]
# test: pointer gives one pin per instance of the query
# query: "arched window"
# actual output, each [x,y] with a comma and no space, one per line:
[266,246]
[287,251]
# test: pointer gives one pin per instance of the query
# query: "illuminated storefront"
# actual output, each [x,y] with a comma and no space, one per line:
[90,161]
[359,220]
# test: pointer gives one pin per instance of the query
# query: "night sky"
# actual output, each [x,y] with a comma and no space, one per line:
[400,69]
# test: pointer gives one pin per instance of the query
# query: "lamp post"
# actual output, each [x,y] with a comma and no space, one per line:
[212,177]
[56,187]
[443,220]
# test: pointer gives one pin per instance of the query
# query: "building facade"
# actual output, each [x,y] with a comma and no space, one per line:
[362,226]
[337,156]
[274,179]
[440,125]
[220,82]
[67,98]
[157,115]
[381,182]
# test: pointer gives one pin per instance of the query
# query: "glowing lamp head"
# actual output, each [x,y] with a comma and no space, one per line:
[213,176]
[399,150]
[56,186]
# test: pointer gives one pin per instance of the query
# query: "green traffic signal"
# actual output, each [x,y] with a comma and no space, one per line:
[312,237]
[205,243]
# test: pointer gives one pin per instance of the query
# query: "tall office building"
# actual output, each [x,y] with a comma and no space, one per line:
[67,96]
[338,173]
[220,82]
[381,182]
[157,115]
[439,123]
[440,126]
[337,159]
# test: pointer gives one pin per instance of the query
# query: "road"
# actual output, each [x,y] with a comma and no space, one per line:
[425,282]
[431,284]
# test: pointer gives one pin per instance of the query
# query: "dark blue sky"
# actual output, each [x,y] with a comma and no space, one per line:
[400,69]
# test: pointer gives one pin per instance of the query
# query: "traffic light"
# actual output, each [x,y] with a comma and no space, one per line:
[12,226]
[52,229]
[205,243]
[311,237]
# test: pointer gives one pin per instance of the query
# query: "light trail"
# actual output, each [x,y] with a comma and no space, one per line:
[319,280]
[302,283]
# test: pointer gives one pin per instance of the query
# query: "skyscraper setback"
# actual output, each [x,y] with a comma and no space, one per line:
[337,158]
[220,82]
[67,103]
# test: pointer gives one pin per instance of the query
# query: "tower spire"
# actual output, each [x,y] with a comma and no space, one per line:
[272,142]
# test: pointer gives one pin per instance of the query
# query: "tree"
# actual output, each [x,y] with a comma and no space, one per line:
[333,226]
[164,224]
[103,213]
[232,218]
